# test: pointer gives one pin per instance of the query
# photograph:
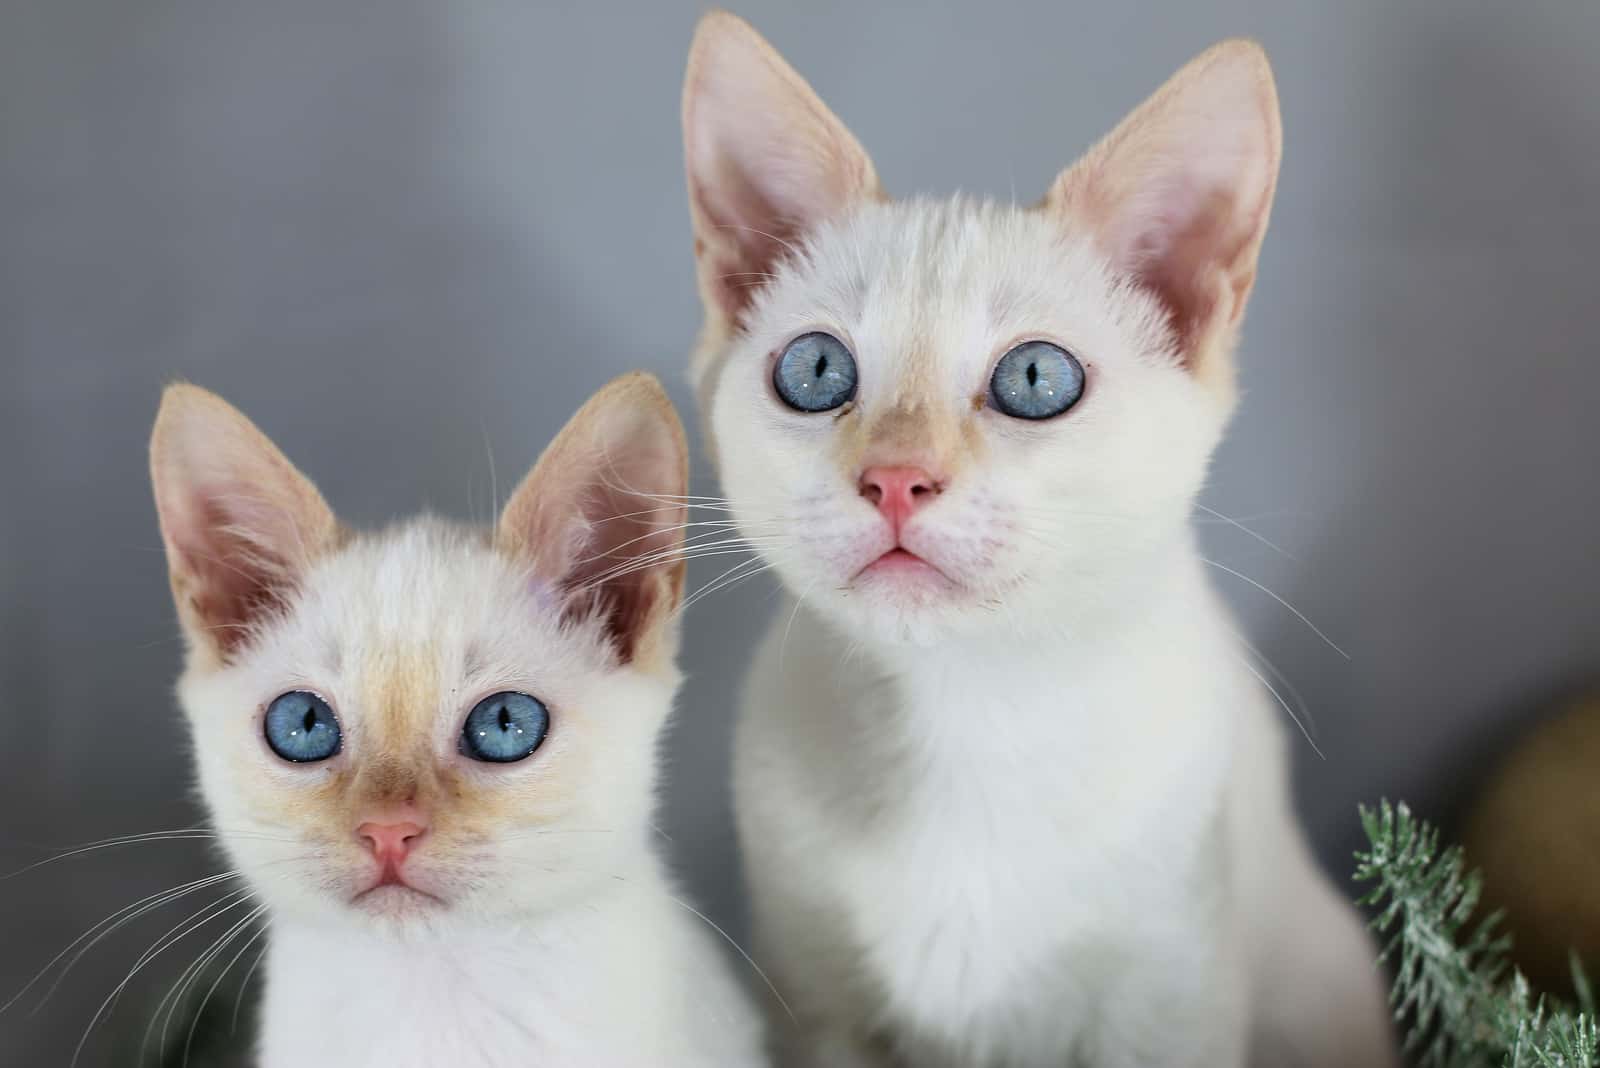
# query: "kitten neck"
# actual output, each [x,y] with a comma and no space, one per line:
[521,989]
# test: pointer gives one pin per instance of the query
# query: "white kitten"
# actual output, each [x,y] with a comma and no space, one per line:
[1009,793]
[432,751]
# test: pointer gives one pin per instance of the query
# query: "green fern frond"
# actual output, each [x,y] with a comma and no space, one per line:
[1451,991]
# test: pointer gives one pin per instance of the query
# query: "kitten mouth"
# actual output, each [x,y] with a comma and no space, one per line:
[390,886]
[900,561]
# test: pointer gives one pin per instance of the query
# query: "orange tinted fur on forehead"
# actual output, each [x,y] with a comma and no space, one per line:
[402,694]
[927,433]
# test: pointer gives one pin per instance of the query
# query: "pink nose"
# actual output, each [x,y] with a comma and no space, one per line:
[897,492]
[391,842]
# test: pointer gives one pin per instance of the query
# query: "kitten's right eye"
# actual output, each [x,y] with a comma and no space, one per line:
[505,728]
[301,728]
[1036,380]
[816,373]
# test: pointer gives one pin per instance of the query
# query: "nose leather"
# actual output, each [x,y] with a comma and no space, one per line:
[391,843]
[898,491]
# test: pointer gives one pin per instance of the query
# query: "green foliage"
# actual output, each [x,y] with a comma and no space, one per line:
[1461,1004]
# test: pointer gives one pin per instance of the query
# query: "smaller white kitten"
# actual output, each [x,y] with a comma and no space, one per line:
[432,751]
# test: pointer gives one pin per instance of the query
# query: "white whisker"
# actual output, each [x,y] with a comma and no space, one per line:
[1284,705]
[1258,536]
[204,961]
[108,926]
[1297,613]
[747,957]
[244,986]
[195,834]
[167,941]
[783,646]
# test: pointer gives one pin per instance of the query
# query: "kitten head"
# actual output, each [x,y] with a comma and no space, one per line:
[429,724]
[931,415]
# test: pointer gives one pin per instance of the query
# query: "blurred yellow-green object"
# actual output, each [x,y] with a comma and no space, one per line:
[1535,833]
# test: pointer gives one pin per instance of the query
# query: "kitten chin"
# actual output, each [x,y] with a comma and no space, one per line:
[429,751]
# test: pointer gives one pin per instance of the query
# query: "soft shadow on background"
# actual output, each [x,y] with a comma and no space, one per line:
[405,237]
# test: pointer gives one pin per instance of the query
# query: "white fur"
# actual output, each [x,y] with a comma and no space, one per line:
[1039,817]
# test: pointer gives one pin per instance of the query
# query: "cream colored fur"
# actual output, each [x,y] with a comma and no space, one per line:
[556,937]
[1036,814]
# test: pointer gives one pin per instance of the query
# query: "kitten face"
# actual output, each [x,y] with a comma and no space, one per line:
[928,297]
[400,635]
[1137,265]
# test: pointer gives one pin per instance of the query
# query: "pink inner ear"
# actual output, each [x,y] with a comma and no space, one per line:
[757,196]
[1184,247]
[226,562]
[766,160]
[747,253]
[600,518]
[240,524]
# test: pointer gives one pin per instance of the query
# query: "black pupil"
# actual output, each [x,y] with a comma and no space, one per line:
[822,366]
[505,718]
[310,720]
[1033,374]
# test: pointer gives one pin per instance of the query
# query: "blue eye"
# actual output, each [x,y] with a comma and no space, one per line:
[301,727]
[1036,380]
[505,727]
[816,373]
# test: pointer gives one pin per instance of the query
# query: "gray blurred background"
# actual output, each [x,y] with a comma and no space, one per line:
[402,235]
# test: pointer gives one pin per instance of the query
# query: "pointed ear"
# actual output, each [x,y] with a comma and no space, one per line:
[601,515]
[240,524]
[766,161]
[1178,195]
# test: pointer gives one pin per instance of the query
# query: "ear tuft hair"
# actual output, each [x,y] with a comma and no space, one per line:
[601,516]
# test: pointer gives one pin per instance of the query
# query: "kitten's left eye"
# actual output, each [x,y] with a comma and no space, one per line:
[301,728]
[1036,380]
[505,727]
[816,373]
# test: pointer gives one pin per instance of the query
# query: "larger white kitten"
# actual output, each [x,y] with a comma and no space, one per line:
[1008,792]
[432,751]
